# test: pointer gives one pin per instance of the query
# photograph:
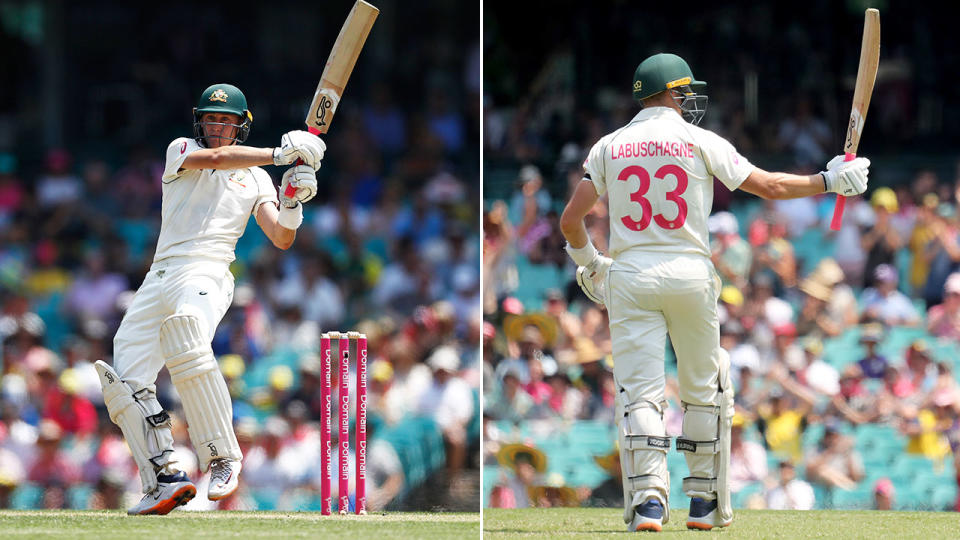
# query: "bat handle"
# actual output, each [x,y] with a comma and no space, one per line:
[838,207]
[291,190]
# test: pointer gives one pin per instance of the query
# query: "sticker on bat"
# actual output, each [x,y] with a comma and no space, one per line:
[324,107]
[855,126]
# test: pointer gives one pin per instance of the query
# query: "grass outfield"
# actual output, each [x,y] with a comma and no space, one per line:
[606,523]
[190,525]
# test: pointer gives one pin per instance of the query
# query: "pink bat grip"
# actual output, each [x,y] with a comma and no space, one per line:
[837,220]
[292,190]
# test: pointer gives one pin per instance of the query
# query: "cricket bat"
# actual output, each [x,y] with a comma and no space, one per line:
[337,72]
[866,76]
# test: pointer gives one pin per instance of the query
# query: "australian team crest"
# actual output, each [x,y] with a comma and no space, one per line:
[218,95]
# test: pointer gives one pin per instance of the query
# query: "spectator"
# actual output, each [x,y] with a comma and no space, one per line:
[74,414]
[748,459]
[922,234]
[884,494]
[609,494]
[837,464]
[805,135]
[526,463]
[873,365]
[920,368]
[731,254]
[449,401]
[830,306]
[94,293]
[882,241]
[818,375]
[783,423]
[942,254]
[884,303]
[385,478]
[790,493]
[52,470]
[943,320]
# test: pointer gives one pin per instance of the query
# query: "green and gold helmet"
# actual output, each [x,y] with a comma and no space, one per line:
[665,71]
[223,98]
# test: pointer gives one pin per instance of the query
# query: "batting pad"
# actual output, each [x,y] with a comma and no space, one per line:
[643,453]
[144,423]
[203,392]
[706,442]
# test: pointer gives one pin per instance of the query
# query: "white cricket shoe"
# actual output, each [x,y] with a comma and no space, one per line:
[647,517]
[704,515]
[172,490]
[224,475]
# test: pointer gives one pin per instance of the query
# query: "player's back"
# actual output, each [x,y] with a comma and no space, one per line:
[658,173]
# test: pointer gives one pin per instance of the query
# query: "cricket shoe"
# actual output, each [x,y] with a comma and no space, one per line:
[224,475]
[647,517]
[704,515]
[172,490]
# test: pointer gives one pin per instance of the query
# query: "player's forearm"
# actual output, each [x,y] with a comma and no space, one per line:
[229,157]
[571,221]
[575,233]
[793,186]
[780,185]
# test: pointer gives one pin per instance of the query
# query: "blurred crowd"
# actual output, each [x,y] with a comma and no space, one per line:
[389,247]
[814,321]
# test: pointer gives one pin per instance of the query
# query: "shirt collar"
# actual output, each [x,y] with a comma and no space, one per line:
[656,112]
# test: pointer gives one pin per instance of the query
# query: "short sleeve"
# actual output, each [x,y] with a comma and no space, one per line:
[266,191]
[594,167]
[723,161]
[177,152]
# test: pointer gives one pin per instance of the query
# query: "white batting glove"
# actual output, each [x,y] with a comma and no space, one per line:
[296,145]
[846,178]
[304,179]
[593,278]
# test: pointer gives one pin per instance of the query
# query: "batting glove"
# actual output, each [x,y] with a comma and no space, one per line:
[304,179]
[846,178]
[593,278]
[296,145]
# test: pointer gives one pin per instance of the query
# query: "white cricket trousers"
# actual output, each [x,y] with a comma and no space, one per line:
[653,295]
[202,287]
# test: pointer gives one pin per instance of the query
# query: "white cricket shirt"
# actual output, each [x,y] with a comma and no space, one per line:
[205,211]
[658,173]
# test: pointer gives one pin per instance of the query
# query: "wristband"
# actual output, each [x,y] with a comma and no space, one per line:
[276,157]
[582,256]
[290,218]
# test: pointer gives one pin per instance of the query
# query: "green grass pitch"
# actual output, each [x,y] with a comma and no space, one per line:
[192,525]
[606,523]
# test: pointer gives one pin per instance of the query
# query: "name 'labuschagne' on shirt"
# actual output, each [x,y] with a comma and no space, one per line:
[651,149]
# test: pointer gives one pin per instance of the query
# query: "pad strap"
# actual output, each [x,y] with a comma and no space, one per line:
[704,485]
[698,447]
[645,481]
[647,442]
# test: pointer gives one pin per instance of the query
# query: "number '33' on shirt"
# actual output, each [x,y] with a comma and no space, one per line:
[658,174]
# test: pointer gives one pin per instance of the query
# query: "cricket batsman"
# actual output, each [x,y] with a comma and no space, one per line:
[211,185]
[657,172]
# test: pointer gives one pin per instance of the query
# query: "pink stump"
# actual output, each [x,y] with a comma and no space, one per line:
[325,425]
[361,489]
[344,396]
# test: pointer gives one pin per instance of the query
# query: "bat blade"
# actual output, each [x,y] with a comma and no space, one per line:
[866,77]
[339,66]
[343,56]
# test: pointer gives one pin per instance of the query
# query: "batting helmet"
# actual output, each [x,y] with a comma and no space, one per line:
[666,71]
[223,98]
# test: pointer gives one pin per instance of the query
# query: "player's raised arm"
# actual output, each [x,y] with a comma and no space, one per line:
[843,177]
[221,125]
[281,224]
